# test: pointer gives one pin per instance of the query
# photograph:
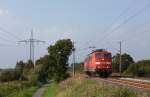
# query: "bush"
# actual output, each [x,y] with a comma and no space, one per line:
[28,92]
[140,68]
[8,88]
[36,77]
[33,77]
[141,72]
[124,92]
[9,75]
[127,60]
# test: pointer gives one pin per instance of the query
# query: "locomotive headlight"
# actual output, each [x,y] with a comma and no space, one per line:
[97,63]
[108,63]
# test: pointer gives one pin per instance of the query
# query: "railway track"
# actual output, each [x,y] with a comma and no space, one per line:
[127,83]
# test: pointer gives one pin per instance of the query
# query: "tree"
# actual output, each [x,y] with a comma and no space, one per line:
[28,66]
[20,72]
[79,67]
[19,68]
[35,75]
[54,65]
[61,52]
[45,67]
[126,61]
[9,75]
[140,68]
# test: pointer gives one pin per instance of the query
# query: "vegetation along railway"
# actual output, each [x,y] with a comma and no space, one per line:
[140,85]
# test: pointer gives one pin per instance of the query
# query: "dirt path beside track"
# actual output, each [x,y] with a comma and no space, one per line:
[40,91]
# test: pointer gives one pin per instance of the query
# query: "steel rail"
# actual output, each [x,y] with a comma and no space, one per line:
[129,83]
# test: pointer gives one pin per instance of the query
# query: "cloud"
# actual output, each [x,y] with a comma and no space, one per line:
[3,11]
[66,35]
[9,20]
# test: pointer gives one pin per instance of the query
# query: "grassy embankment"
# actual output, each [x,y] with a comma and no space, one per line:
[17,89]
[82,87]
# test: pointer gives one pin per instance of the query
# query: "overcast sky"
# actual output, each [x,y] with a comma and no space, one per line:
[100,23]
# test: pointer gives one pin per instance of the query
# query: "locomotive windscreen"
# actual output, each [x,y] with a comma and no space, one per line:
[107,56]
[100,55]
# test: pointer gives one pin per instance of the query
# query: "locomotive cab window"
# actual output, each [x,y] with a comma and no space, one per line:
[98,55]
[107,55]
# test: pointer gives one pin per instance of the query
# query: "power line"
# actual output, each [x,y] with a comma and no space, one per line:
[106,31]
[132,16]
[127,20]
[112,46]
[4,39]
[7,45]
[11,34]
[120,15]
[137,33]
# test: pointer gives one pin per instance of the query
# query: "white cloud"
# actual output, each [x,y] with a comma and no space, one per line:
[3,11]
[66,35]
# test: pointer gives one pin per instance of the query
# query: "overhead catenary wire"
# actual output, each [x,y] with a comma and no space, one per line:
[112,46]
[131,17]
[127,20]
[106,31]
[119,16]
[136,32]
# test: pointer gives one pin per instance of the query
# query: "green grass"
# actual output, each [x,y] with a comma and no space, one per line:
[81,87]
[17,89]
[51,90]
[24,92]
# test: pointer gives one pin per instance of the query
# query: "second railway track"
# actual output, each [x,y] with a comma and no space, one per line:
[128,83]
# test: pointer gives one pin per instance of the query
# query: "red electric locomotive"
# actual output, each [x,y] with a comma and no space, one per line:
[99,62]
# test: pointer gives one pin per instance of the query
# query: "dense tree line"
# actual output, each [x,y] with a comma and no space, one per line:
[52,66]
[79,67]
[129,67]
[127,60]
[20,72]
[140,68]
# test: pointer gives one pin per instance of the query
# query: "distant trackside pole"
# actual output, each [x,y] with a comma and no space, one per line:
[120,60]
[73,54]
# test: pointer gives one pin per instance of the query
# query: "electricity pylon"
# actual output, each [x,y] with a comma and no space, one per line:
[31,41]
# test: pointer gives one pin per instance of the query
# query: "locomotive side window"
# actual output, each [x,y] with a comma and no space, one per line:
[107,56]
